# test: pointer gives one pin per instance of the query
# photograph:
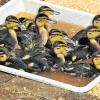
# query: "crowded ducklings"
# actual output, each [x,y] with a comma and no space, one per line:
[38,48]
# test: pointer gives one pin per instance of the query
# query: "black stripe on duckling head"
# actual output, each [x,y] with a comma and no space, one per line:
[96,21]
[92,33]
[44,9]
[54,32]
[59,44]
[3,54]
[42,19]
[97,17]
[11,18]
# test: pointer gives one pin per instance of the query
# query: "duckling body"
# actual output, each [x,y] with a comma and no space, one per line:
[79,53]
[37,59]
[12,24]
[81,70]
[6,39]
[7,60]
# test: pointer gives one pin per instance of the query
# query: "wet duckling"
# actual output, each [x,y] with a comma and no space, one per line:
[47,11]
[37,59]
[6,39]
[58,43]
[41,21]
[7,60]
[92,34]
[61,50]
[12,24]
[96,21]
[89,36]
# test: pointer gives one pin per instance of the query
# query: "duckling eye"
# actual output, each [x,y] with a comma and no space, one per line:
[89,33]
[58,48]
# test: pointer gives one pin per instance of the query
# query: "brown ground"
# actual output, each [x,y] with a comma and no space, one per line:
[16,88]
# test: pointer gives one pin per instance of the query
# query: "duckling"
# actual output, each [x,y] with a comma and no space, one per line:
[89,36]
[96,21]
[47,11]
[12,24]
[92,34]
[37,59]
[41,21]
[7,60]
[6,39]
[58,35]
[61,50]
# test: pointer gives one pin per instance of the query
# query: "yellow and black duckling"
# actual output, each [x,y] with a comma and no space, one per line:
[58,43]
[6,39]
[96,21]
[12,24]
[37,59]
[41,21]
[10,61]
[89,36]
[92,35]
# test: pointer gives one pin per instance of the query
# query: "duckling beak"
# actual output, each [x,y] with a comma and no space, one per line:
[56,13]
[22,26]
[69,40]
[52,21]
[70,49]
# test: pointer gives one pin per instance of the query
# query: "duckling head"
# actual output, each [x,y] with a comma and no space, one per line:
[93,33]
[61,33]
[11,22]
[96,21]
[41,20]
[24,23]
[96,61]
[47,10]
[3,54]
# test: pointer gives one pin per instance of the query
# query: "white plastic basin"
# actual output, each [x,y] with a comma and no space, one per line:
[67,15]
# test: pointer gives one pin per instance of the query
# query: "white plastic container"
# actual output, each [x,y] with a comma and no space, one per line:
[67,15]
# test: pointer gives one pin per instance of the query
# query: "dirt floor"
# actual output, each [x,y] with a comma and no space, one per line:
[17,88]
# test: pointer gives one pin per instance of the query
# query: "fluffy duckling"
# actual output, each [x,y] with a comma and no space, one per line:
[58,43]
[41,21]
[10,61]
[6,39]
[92,34]
[12,24]
[37,59]
[47,11]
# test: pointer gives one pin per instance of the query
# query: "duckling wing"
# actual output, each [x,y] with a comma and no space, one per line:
[16,63]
